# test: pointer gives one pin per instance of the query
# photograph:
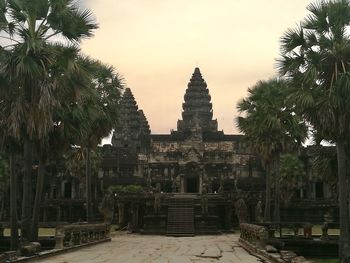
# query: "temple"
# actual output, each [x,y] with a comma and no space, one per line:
[194,180]
[194,156]
[194,162]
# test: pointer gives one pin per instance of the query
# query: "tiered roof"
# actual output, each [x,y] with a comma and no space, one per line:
[144,128]
[197,108]
[132,121]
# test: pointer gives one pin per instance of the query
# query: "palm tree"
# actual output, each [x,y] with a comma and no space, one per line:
[316,56]
[101,116]
[31,27]
[11,147]
[271,128]
[4,182]
[324,163]
[292,176]
[72,120]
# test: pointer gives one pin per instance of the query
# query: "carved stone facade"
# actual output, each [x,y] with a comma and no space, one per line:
[194,156]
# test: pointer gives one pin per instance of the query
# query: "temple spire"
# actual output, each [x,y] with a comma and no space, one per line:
[133,126]
[144,127]
[197,106]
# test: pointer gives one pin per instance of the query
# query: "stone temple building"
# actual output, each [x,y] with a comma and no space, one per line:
[186,160]
[193,161]
[195,174]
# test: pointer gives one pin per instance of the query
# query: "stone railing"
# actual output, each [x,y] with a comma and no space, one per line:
[325,227]
[254,234]
[78,234]
[293,226]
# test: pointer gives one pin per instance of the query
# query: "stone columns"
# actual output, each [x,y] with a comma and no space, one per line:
[135,216]
[59,214]
[121,210]
[73,189]
[44,214]
[182,184]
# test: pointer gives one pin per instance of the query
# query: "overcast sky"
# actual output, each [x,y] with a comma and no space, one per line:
[156,44]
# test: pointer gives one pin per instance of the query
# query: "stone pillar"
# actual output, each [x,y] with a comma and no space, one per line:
[210,186]
[135,216]
[182,184]
[52,188]
[59,214]
[73,190]
[121,209]
[200,183]
[44,214]
[63,185]
[228,215]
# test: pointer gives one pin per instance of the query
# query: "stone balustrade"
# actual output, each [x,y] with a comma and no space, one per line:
[254,234]
[294,226]
[78,234]
[325,227]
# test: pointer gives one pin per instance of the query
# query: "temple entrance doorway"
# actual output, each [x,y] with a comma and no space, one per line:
[192,185]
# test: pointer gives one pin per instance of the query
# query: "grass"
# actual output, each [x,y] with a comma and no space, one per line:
[330,260]
[43,232]
[316,230]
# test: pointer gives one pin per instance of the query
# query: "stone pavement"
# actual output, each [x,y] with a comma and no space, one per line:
[130,248]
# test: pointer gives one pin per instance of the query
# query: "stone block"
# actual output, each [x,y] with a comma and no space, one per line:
[299,259]
[30,249]
[270,249]
[3,258]
[288,255]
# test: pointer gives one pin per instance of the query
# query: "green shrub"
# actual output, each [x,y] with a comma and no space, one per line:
[127,189]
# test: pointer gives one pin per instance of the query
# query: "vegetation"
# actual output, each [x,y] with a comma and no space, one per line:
[4,183]
[52,97]
[315,69]
[271,129]
[315,58]
[292,176]
[127,189]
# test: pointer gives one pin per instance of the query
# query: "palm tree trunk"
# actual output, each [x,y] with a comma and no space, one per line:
[267,212]
[27,191]
[89,216]
[37,200]
[277,213]
[343,207]
[13,203]
[2,206]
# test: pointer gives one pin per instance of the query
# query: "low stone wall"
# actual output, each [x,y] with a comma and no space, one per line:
[68,237]
[255,239]
[82,233]
[254,234]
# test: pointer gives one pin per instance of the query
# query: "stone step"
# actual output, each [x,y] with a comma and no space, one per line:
[180,217]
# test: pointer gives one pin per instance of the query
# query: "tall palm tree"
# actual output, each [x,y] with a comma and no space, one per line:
[271,128]
[101,115]
[11,147]
[316,56]
[31,27]
[70,118]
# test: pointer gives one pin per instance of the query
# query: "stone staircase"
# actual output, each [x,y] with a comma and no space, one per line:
[180,216]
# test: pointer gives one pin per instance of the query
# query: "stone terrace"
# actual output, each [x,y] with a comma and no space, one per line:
[130,248]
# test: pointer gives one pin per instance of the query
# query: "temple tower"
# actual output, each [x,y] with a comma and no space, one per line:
[144,126]
[197,108]
[133,130]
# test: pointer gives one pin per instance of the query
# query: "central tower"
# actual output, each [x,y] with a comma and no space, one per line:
[197,109]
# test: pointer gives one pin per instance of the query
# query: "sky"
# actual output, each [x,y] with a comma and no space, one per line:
[156,44]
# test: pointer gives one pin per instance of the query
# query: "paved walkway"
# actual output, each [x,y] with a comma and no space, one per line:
[160,249]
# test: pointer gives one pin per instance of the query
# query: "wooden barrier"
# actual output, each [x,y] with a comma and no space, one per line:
[78,234]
